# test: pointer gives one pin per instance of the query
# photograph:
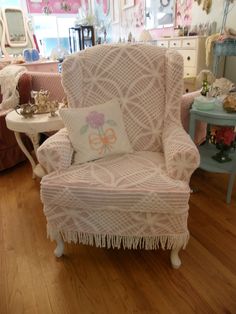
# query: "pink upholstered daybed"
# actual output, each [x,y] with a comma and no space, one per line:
[10,152]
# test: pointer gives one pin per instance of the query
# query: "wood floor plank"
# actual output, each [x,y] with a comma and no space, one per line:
[212,279]
[216,221]
[3,284]
[92,280]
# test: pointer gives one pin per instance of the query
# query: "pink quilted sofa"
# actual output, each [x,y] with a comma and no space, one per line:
[10,153]
[48,81]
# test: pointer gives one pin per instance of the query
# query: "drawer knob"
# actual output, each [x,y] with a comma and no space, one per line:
[188,44]
[174,44]
[187,74]
[188,58]
[162,44]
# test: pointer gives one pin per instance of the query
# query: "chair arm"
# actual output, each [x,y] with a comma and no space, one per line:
[186,103]
[181,154]
[56,152]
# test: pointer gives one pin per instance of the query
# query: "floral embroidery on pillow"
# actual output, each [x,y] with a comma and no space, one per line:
[103,140]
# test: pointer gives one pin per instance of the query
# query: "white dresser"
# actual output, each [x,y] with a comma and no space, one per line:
[193,50]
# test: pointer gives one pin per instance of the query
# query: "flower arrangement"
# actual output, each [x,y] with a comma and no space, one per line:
[224,139]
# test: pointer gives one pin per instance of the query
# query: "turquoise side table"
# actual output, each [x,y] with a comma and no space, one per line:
[217,116]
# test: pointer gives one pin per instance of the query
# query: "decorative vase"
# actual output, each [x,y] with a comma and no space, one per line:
[223,155]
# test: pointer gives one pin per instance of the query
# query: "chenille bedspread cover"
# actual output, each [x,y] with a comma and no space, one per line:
[137,200]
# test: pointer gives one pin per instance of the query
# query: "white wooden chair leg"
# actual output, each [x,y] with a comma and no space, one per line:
[59,250]
[174,257]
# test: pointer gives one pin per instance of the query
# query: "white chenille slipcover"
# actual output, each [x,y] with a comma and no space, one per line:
[136,200]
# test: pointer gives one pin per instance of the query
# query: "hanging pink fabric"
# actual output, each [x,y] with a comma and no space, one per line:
[86,4]
[36,42]
[105,7]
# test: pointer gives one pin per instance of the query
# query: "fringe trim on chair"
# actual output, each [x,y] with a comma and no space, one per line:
[125,242]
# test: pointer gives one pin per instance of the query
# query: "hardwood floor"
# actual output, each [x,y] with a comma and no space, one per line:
[91,280]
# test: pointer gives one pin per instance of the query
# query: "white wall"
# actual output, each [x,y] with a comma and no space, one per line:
[216,14]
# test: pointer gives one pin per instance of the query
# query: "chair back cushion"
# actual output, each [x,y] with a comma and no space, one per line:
[135,74]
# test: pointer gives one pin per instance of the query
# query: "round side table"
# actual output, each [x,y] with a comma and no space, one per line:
[217,116]
[39,123]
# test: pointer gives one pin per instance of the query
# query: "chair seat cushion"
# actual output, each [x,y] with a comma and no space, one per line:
[119,201]
[129,182]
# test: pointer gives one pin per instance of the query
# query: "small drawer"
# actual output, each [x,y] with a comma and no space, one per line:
[189,87]
[175,43]
[189,57]
[163,43]
[189,72]
[189,43]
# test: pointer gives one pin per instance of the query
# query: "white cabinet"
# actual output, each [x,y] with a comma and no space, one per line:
[189,43]
[189,72]
[163,43]
[192,48]
[175,43]
[189,57]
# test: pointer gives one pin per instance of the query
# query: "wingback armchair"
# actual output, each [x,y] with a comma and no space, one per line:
[134,200]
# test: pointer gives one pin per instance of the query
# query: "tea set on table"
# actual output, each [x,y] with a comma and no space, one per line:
[41,104]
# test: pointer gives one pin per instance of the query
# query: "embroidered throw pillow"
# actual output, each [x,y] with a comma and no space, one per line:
[96,131]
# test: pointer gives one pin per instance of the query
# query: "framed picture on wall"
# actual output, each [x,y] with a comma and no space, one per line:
[159,13]
[127,4]
[115,11]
